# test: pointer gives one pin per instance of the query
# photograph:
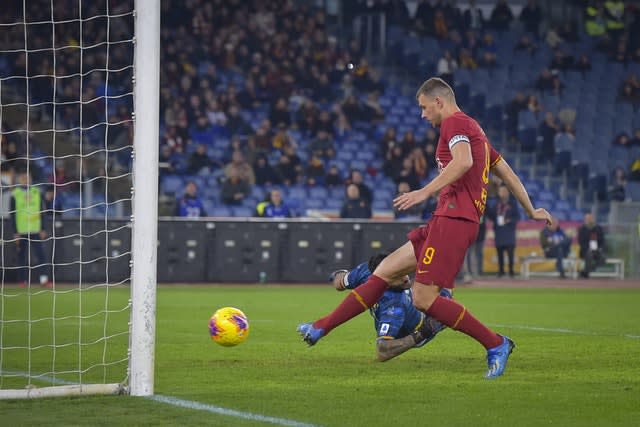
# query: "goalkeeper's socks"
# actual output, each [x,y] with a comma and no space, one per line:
[359,300]
[457,317]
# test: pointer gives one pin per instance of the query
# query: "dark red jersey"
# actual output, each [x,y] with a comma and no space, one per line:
[467,196]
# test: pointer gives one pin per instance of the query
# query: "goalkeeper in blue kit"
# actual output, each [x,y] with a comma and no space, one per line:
[399,325]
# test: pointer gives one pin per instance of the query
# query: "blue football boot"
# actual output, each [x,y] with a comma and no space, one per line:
[497,358]
[309,334]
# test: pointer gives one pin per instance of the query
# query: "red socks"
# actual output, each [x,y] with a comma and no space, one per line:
[359,300]
[457,317]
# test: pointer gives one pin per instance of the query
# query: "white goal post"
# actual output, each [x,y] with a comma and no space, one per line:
[24,338]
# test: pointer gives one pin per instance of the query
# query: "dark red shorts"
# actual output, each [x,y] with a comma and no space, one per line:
[440,247]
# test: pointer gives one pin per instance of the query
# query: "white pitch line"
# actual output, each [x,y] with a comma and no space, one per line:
[562,331]
[229,412]
[189,404]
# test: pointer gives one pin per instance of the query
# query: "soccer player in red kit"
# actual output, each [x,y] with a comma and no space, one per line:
[436,251]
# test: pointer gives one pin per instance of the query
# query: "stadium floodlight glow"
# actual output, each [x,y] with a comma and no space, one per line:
[69,96]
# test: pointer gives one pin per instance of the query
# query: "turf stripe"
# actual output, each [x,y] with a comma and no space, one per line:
[229,412]
[189,404]
[563,331]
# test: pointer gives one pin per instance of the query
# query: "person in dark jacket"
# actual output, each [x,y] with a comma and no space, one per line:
[591,241]
[555,244]
[505,217]
[355,206]
[475,256]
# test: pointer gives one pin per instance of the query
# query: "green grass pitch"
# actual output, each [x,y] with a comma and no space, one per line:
[577,362]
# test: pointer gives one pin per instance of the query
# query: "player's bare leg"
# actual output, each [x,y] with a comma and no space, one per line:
[400,262]
[427,299]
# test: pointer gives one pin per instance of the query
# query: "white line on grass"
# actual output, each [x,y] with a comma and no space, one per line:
[563,331]
[229,412]
[189,404]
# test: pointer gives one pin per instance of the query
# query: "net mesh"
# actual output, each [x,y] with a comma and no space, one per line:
[66,99]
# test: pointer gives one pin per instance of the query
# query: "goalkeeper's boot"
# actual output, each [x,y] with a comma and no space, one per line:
[309,334]
[497,358]
[430,326]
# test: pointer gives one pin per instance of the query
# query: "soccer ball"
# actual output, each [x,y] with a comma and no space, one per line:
[228,326]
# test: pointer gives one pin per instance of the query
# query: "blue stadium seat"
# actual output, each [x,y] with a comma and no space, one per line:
[528,137]
[219,211]
[171,184]
[633,191]
[319,193]
[296,192]
[334,203]
[241,211]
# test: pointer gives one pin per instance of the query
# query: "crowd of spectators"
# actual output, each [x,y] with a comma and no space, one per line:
[286,93]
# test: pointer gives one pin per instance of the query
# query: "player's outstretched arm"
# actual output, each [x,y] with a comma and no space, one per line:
[513,183]
[389,348]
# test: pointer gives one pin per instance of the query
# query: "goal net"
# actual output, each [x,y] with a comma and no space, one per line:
[76,202]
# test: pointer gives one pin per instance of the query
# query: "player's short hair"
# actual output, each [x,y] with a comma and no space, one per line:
[435,86]
[376,259]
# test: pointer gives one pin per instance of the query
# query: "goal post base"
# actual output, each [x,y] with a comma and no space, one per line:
[64,391]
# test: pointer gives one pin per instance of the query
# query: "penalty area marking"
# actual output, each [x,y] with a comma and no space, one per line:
[228,412]
[189,404]
[562,331]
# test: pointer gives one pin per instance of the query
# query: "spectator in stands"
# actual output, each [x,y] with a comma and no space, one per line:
[595,19]
[466,60]
[408,174]
[322,145]
[354,205]
[420,164]
[548,130]
[265,173]
[552,38]
[505,216]
[501,16]
[236,124]
[315,171]
[629,94]
[488,52]
[277,208]
[408,142]
[388,140]
[533,104]
[430,155]
[568,32]
[531,16]
[525,44]
[216,115]
[333,177]
[342,128]
[234,189]
[635,142]
[280,113]
[561,61]
[555,244]
[634,173]
[614,18]
[447,65]
[372,111]
[52,203]
[356,178]
[240,168]
[583,64]
[281,139]
[413,213]
[591,241]
[440,25]
[288,172]
[190,205]
[515,106]
[393,161]
[473,17]
[26,216]
[548,81]
[617,189]
[424,17]
[199,162]
[351,109]
[622,140]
